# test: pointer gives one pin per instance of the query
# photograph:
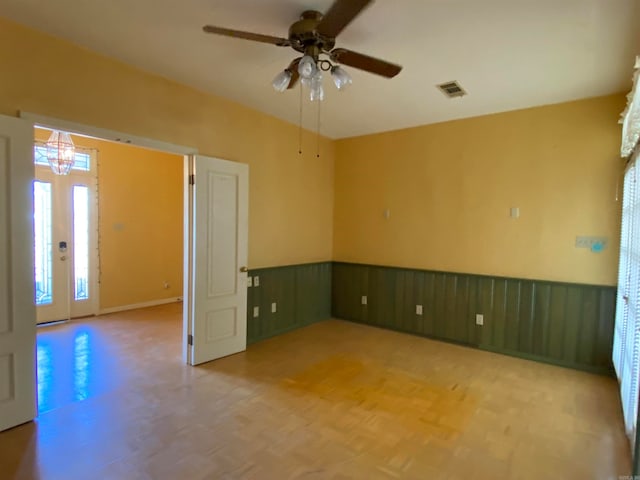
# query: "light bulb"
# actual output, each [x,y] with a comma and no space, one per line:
[307,67]
[317,92]
[340,77]
[282,80]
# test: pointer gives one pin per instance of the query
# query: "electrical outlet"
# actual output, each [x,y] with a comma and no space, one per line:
[479,319]
[418,309]
[256,312]
[256,281]
[364,300]
[249,281]
[274,307]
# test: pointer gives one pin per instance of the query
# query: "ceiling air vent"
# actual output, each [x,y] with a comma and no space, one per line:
[452,89]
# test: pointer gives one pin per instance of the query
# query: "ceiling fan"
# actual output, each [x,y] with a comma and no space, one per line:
[313,35]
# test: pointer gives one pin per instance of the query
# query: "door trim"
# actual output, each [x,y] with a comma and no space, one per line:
[106,134]
[188,272]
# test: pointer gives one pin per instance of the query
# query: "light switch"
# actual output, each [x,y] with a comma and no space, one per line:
[479,319]
[249,282]
[514,212]
[364,300]
[256,281]
[256,312]
[418,309]
[274,307]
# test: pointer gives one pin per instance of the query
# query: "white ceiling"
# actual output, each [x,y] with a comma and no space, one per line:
[508,54]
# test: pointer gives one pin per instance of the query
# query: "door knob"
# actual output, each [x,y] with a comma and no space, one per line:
[63,258]
[244,269]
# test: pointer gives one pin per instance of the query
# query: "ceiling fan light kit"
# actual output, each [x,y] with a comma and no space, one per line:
[316,90]
[307,67]
[313,35]
[341,78]
[282,80]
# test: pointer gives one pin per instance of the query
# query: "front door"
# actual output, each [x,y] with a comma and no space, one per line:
[65,238]
[217,240]
[17,313]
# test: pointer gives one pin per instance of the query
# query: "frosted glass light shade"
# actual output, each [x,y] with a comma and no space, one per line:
[340,77]
[307,67]
[61,152]
[282,80]
[317,92]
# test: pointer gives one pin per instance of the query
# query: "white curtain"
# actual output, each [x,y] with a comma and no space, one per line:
[631,116]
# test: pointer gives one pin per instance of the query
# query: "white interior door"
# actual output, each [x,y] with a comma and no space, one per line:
[17,312]
[217,239]
[65,239]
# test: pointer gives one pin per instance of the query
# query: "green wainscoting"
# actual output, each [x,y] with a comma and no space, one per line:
[560,323]
[302,294]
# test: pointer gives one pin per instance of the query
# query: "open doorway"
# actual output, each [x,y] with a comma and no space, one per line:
[112,229]
[108,237]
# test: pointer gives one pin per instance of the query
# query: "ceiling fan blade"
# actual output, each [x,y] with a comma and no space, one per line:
[256,37]
[293,68]
[364,62]
[341,13]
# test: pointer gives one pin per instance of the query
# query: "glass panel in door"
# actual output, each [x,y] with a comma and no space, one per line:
[42,232]
[80,242]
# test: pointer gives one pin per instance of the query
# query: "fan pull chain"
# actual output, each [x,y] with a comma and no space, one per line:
[300,124]
[318,131]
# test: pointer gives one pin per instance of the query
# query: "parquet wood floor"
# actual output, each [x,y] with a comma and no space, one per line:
[335,400]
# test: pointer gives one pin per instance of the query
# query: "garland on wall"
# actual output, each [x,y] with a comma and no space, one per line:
[631,116]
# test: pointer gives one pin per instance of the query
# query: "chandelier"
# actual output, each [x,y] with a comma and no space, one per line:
[61,152]
[310,71]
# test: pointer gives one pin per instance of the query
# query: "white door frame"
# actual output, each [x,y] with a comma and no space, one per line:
[105,134]
[115,136]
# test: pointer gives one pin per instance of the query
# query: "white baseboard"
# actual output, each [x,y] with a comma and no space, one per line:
[152,303]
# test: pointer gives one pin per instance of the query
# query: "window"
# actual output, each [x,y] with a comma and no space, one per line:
[82,159]
[81,242]
[42,235]
[626,341]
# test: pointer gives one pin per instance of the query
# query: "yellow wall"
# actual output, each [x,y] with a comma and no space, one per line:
[449,188]
[140,222]
[291,196]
